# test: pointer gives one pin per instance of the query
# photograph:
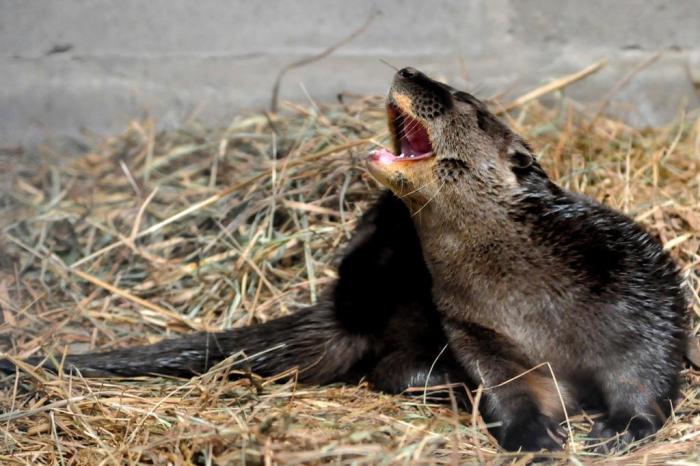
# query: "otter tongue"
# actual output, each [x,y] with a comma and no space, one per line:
[382,155]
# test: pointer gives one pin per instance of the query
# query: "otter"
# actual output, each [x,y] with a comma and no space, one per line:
[528,274]
[474,268]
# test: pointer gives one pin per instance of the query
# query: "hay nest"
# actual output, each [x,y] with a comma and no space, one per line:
[153,234]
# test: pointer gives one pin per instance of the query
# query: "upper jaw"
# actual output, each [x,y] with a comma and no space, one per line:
[410,137]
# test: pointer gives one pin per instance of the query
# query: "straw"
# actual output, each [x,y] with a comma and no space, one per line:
[152,234]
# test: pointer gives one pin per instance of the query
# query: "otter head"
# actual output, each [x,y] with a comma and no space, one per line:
[448,150]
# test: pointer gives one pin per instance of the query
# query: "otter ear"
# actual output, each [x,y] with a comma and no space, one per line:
[519,154]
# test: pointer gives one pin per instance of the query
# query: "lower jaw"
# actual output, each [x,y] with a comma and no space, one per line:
[373,166]
[397,184]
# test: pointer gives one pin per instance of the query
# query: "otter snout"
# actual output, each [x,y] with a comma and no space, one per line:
[417,94]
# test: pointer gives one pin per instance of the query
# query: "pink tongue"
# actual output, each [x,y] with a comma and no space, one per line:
[418,138]
[382,155]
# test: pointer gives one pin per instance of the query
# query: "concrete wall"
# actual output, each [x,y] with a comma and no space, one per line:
[73,64]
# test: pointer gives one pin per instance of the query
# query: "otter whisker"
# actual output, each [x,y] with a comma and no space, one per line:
[389,64]
[429,200]
[403,196]
[412,127]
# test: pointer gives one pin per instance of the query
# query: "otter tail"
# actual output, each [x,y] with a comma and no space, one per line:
[381,301]
[310,340]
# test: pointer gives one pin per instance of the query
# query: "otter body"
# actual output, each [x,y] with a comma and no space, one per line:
[572,284]
[477,270]
[530,278]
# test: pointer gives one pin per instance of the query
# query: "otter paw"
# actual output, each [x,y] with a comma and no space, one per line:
[613,435]
[533,433]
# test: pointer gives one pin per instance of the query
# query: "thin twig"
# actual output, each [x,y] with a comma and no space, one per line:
[307,60]
[552,86]
[622,83]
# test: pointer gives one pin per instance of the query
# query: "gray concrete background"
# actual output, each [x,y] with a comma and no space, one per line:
[70,65]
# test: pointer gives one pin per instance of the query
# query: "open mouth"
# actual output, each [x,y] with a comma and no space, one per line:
[410,138]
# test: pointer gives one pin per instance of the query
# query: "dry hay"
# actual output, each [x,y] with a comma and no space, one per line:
[153,234]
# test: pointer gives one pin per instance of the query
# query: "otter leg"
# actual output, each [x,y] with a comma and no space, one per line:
[401,370]
[490,359]
[638,403]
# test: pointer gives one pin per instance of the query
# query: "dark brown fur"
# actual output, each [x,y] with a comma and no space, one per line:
[526,273]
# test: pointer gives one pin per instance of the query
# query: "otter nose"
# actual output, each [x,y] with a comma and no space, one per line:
[408,72]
